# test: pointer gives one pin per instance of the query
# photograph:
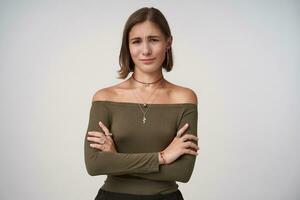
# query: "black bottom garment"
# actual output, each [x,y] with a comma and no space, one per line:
[106,195]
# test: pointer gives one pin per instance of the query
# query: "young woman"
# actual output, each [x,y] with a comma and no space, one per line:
[142,132]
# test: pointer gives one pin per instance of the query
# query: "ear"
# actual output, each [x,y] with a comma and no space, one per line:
[169,42]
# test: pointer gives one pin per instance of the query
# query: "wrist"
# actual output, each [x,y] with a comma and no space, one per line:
[161,158]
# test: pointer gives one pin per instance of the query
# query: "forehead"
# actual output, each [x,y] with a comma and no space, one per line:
[144,29]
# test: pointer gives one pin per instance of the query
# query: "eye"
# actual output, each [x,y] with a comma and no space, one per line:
[135,42]
[154,40]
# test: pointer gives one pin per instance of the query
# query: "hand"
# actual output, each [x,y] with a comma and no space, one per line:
[179,146]
[102,141]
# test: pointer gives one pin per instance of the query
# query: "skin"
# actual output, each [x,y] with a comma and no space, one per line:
[146,41]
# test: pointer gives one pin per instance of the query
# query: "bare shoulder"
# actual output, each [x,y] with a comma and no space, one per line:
[103,94]
[111,93]
[182,94]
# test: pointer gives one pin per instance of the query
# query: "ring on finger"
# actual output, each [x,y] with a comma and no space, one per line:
[101,141]
[110,134]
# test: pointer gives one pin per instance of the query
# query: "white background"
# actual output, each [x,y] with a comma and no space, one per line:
[240,57]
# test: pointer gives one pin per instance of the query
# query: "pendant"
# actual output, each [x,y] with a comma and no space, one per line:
[144,120]
[145,105]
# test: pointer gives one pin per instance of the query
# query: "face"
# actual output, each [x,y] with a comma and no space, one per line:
[147,46]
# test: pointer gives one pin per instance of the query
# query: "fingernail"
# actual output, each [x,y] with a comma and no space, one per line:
[186,124]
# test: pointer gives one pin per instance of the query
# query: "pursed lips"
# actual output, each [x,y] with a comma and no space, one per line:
[147,59]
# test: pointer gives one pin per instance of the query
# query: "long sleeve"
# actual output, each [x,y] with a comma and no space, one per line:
[181,169]
[99,163]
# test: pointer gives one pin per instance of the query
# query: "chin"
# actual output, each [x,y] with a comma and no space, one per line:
[150,69]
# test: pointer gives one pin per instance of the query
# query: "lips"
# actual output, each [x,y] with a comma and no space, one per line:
[147,61]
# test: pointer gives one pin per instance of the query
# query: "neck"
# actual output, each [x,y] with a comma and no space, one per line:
[148,80]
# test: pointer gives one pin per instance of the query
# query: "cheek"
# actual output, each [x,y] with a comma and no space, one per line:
[160,48]
[133,52]
[161,52]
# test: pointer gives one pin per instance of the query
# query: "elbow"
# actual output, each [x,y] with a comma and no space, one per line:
[89,166]
[93,167]
[184,179]
[188,169]
[186,176]
[90,170]
[93,171]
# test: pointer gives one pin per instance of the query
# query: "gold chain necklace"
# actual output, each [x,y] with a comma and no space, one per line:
[145,105]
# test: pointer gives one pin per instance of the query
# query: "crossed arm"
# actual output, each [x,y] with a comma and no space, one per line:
[145,165]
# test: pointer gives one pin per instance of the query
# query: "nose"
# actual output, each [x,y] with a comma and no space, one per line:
[146,49]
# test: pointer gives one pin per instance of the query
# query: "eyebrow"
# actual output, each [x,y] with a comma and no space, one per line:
[150,36]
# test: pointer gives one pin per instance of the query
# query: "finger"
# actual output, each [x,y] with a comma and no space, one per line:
[110,134]
[101,140]
[95,133]
[189,137]
[94,139]
[96,146]
[191,145]
[104,128]
[108,137]
[182,130]
[189,151]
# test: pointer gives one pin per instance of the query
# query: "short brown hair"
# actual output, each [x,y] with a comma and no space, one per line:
[139,16]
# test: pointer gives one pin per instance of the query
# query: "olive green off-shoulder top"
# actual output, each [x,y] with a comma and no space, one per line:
[135,169]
